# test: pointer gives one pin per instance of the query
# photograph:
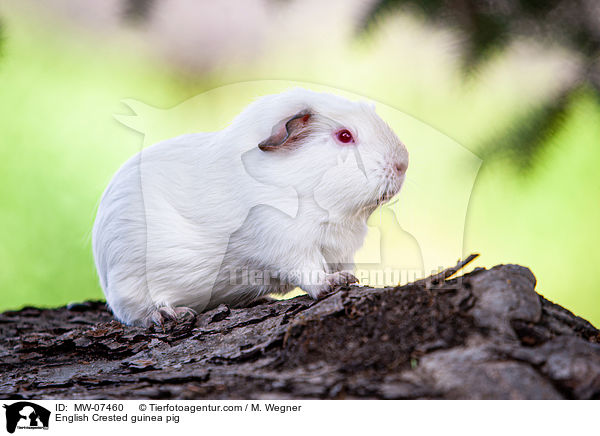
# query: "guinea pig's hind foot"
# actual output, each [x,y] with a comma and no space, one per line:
[167,317]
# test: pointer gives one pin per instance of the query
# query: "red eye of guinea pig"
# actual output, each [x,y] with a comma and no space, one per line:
[344,136]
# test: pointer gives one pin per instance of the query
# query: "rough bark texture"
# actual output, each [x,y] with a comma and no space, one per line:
[486,334]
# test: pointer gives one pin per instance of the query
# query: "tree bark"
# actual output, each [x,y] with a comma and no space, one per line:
[486,334]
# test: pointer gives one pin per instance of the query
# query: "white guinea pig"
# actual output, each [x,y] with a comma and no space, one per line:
[278,199]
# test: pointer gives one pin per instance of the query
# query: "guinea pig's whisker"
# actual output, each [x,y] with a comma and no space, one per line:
[411,181]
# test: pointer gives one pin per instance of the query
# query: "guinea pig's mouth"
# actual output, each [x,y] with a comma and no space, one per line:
[390,189]
[385,197]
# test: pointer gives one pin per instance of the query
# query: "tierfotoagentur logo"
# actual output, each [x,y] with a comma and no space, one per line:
[25,415]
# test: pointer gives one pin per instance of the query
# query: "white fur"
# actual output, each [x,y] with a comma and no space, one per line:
[179,217]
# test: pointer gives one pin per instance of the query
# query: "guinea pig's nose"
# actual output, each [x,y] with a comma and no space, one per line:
[400,168]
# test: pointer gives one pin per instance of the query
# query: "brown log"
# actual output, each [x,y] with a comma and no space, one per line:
[486,334]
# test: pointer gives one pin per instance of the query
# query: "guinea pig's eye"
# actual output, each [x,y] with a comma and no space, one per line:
[344,136]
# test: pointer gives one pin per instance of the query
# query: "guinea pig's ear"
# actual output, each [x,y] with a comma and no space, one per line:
[288,132]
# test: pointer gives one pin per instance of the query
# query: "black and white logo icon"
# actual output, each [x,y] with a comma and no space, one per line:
[26,415]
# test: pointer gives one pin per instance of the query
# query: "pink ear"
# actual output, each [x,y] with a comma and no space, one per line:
[287,132]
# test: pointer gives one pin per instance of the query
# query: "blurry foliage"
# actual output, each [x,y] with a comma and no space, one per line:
[137,10]
[490,25]
[1,37]
[521,141]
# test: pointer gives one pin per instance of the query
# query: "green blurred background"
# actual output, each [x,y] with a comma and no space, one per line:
[502,84]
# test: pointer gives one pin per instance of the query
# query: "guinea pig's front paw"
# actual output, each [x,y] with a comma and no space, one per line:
[167,316]
[332,281]
[341,278]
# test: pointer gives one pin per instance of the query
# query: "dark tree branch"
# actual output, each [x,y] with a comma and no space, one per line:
[486,334]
